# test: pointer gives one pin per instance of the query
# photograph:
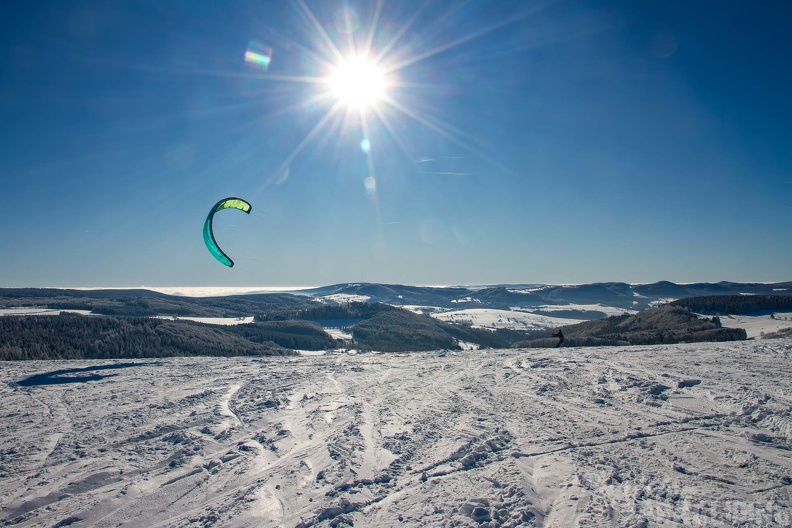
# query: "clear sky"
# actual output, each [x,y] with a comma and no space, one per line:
[507,142]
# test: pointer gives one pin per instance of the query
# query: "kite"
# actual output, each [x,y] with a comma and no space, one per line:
[208,235]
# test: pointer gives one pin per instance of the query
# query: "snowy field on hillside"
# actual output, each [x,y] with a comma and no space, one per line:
[517,318]
[39,311]
[494,318]
[222,321]
[672,435]
[758,325]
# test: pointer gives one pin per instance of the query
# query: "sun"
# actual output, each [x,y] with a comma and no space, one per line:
[358,82]
[363,79]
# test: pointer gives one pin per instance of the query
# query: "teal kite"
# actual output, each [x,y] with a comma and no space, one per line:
[208,235]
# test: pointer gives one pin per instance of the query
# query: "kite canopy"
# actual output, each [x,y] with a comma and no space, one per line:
[208,235]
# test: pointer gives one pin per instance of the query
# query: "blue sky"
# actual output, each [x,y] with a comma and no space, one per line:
[519,142]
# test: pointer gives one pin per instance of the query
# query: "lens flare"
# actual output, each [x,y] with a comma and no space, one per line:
[370,183]
[258,55]
[365,145]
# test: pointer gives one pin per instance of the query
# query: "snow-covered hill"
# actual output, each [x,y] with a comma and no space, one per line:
[678,435]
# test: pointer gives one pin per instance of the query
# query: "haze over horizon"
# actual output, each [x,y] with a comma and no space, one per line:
[506,143]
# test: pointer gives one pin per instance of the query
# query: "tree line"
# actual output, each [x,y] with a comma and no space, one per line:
[736,304]
[71,336]
[667,324]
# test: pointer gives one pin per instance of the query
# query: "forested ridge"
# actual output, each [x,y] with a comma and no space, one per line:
[146,303]
[663,325]
[297,335]
[378,326]
[284,323]
[373,326]
[736,304]
[70,336]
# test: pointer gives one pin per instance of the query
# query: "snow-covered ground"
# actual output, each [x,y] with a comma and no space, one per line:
[345,298]
[607,310]
[493,318]
[337,333]
[758,325]
[672,435]
[39,311]
[516,318]
[223,321]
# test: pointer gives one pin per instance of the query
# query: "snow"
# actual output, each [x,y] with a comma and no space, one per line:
[607,310]
[39,311]
[223,321]
[665,435]
[494,318]
[662,301]
[337,333]
[346,297]
[516,318]
[757,325]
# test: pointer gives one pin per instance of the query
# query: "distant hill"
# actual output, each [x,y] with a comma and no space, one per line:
[505,297]
[379,326]
[146,303]
[616,294]
[286,321]
[665,324]
[136,302]
[374,326]
[393,293]
[70,336]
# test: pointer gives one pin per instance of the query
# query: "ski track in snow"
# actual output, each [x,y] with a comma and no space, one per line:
[676,435]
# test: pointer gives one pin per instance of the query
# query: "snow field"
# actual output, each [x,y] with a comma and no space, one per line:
[673,435]
[493,318]
[758,325]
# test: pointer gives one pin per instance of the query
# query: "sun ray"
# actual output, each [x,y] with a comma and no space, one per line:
[297,106]
[287,42]
[435,126]
[291,78]
[345,128]
[320,29]
[396,137]
[438,126]
[299,148]
[464,39]
[372,29]
[384,51]
[305,79]
[347,123]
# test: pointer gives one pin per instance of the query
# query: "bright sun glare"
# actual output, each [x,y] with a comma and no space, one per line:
[358,83]
[364,86]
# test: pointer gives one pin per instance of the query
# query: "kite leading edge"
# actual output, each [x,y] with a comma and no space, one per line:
[208,235]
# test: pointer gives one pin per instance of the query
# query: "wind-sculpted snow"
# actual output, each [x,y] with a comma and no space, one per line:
[675,435]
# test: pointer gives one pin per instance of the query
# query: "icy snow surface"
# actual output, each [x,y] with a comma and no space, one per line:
[675,435]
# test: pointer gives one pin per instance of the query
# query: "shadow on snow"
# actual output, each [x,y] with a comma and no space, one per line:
[58,377]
